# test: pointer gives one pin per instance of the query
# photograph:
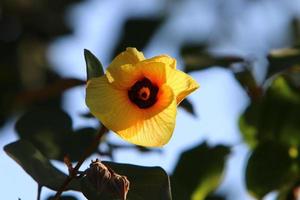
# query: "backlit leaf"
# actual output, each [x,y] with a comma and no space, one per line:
[199,172]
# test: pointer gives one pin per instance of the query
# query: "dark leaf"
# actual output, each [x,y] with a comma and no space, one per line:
[37,166]
[50,130]
[274,116]
[282,59]
[45,128]
[75,143]
[295,25]
[138,39]
[247,81]
[93,65]
[268,168]
[199,171]
[290,191]
[63,197]
[188,106]
[146,183]
[87,115]
[215,197]
[197,58]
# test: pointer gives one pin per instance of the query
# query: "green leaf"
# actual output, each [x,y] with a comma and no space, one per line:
[45,128]
[289,191]
[54,138]
[197,58]
[274,116]
[199,171]
[282,59]
[75,143]
[215,197]
[93,65]
[188,106]
[146,183]
[248,130]
[37,166]
[268,168]
[138,39]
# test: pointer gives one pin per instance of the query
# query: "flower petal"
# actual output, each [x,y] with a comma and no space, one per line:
[130,56]
[124,76]
[169,61]
[181,83]
[110,105]
[158,124]
[155,71]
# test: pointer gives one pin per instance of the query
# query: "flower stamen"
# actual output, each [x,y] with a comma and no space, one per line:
[143,93]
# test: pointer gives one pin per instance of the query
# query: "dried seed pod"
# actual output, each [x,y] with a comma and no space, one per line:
[99,175]
[106,181]
[120,185]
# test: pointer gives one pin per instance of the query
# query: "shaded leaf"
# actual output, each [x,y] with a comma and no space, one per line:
[295,26]
[138,39]
[282,59]
[199,171]
[215,197]
[187,106]
[77,142]
[274,116]
[87,115]
[289,191]
[93,65]
[197,58]
[146,183]
[247,81]
[50,131]
[63,197]
[37,166]
[45,128]
[268,168]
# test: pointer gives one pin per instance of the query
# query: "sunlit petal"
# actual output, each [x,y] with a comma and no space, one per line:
[126,75]
[181,83]
[158,124]
[111,105]
[169,61]
[130,56]
[137,97]
[155,71]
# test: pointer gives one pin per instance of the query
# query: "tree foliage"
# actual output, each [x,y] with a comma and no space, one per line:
[269,125]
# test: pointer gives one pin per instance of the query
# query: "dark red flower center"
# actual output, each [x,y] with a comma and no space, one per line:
[143,93]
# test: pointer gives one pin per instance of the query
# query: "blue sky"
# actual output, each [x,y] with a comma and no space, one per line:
[254,28]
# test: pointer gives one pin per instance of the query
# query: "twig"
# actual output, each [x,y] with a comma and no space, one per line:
[39,192]
[87,152]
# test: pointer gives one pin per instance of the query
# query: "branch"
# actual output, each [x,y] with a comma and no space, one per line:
[39,192]
[87,152]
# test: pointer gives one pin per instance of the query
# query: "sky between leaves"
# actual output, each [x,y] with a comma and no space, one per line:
[247,35]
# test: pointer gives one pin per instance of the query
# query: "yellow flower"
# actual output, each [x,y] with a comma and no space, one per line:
[137,98]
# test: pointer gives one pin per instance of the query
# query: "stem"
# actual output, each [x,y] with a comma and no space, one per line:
[39,192]
[87,152]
